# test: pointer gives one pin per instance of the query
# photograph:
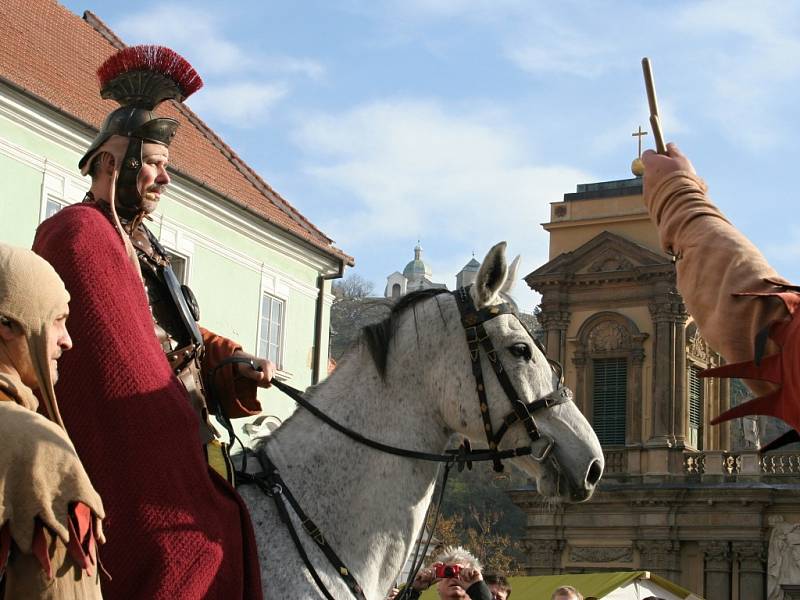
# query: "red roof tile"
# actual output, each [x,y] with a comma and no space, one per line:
[53,55]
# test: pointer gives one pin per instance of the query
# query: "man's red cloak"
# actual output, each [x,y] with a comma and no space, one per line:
[174,528]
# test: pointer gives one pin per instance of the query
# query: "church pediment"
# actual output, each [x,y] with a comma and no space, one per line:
[606,255]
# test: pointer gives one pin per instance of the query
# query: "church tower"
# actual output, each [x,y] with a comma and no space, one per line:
[467,275]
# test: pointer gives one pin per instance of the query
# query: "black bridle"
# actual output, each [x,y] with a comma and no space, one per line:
[472,320]
[540,447]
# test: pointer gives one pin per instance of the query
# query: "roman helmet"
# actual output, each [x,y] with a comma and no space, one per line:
[139,78]
[32,295]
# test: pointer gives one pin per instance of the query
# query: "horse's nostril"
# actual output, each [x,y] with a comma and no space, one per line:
[594,473]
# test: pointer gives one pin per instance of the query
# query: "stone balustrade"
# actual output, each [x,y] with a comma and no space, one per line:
[744,463]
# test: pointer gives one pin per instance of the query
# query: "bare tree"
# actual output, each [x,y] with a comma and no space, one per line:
[352,287]
[353,308]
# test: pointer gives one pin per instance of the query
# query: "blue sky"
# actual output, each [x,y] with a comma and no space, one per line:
[457,122]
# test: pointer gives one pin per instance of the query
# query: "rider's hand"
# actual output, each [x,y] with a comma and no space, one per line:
[658,166]
[424,579]
[393,594]
[469,575]
[262,374]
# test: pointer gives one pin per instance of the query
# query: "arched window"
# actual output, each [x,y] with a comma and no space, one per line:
[608,359]
[396,290]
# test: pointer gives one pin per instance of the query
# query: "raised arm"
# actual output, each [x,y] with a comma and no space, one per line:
[714,260]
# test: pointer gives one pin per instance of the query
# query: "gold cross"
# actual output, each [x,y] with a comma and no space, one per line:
[639,135]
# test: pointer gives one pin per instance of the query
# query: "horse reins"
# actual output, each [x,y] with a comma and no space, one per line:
[472,319]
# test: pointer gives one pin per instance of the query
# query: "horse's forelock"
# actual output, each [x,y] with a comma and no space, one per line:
[379,335]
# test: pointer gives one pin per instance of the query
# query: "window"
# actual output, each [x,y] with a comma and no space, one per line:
[52,207]
[396,290]
[270,344]
[610,387]
[179,264]
[696,401]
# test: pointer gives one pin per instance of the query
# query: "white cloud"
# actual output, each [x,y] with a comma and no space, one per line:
[195,32]
[548,46]
[240,84]
[751,57]
[414,169]
[238,104]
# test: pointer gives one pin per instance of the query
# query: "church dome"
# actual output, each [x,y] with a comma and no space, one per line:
[417,269]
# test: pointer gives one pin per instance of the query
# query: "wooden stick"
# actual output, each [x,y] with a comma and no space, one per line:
[655,120]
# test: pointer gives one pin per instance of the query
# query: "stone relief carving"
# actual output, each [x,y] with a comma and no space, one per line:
[601,555]
[610,263]
[697,348]
[751,551]
[716,551]
[657,554]
[608,336]
[783,561]
[543,553]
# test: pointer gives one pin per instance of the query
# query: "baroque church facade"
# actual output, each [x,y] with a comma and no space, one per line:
[678,497]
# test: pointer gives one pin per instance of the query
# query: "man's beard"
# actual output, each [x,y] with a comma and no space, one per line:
[129,206]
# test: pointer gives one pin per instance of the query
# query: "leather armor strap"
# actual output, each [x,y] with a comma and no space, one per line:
[272,481]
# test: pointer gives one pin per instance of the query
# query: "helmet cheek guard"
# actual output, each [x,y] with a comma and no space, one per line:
[128,197]
[140,78]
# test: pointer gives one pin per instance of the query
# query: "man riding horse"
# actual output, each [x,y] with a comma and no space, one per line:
[133,394]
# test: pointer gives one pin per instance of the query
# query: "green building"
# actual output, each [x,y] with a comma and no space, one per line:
[261,271]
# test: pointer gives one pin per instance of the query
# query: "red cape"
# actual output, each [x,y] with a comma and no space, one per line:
[174,528]
[782,368]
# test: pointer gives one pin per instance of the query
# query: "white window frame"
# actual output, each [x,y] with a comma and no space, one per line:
[263,349]
[61,187]
[271,286]
[179,243]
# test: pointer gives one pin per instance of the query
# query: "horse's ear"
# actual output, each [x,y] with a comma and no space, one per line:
[491,277]
[511,278]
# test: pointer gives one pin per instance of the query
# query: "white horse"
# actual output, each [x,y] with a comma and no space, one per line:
[370,505]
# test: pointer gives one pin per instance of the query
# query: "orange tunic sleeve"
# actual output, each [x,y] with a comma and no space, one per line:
[715,263]
[238,395]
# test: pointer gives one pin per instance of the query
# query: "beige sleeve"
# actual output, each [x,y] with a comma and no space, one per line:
[714,261]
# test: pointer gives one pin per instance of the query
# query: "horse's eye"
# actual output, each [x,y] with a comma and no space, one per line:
[521,350]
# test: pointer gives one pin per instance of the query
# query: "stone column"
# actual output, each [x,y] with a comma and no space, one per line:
[717,570]
[635,398]
[555,323]
[581,384]
[724,429]
[668,314]
[752,577]
[681,400]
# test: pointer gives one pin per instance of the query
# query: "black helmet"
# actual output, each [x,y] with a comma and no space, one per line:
[140,78]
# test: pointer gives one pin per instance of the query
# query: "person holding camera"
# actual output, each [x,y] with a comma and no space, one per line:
[459,576]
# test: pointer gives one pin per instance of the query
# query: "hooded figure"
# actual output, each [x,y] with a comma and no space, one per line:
[49,512]
[132,393]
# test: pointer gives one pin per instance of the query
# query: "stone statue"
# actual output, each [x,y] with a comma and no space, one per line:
[783,564]
[750,432]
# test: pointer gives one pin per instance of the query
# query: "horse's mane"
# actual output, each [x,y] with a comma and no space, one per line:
[379,335]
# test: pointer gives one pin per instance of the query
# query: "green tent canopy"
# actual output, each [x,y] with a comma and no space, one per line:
[623,585]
